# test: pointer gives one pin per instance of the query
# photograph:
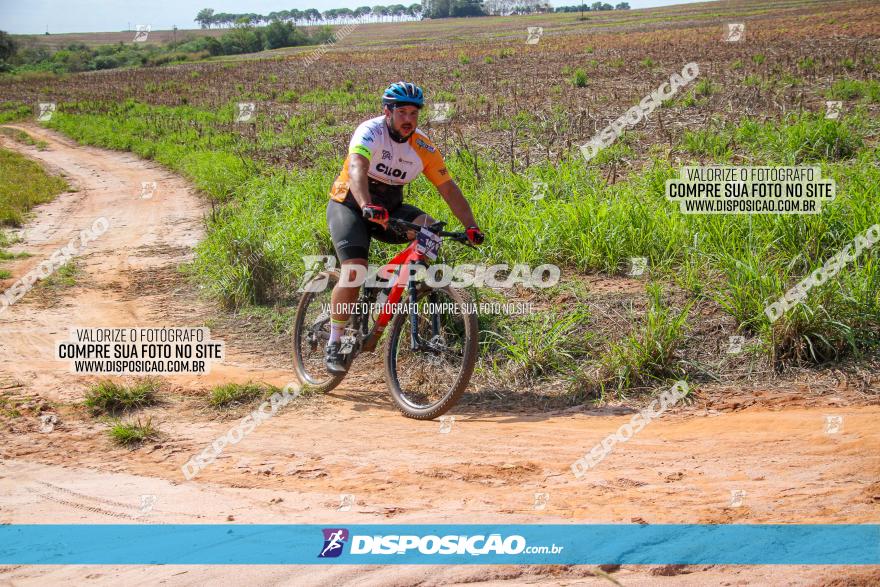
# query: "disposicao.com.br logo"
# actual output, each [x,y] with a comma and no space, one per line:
[451,544]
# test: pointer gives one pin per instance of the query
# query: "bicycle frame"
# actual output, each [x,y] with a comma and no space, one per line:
[409,256]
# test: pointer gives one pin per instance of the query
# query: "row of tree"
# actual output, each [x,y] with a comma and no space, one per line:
[448,8]
[595,6]
[207,18]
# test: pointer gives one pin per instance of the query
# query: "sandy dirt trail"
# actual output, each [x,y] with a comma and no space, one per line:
[295,467]
[123,269]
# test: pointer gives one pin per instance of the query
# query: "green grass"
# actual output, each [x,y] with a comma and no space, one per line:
[753,80]
[803,139]
[851,89]
[14,111]
[704,88]
[9,406]
[23,185]
[579,79]
[5,274]
[109,397]
[233,394]
[252,252]
[23,138]
[807,64]
[649,356]
[707,142]
[132,434]
[64,277]
[540,345]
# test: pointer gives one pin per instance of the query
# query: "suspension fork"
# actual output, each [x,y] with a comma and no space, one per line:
[435,317]
[413,316]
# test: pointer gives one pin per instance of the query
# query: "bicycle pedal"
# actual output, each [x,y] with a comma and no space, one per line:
[347,344]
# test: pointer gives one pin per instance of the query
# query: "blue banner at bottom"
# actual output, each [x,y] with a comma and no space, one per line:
[520,544]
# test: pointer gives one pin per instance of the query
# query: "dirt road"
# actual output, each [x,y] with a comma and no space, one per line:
[294,468]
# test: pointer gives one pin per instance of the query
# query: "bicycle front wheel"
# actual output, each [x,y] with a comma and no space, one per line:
[428,380]
[311,331]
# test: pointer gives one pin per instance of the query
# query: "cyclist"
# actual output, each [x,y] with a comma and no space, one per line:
[384,154]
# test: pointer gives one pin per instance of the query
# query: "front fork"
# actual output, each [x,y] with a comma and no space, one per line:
[414,317]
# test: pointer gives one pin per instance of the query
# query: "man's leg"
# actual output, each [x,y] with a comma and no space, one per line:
[344,295]
[351,239]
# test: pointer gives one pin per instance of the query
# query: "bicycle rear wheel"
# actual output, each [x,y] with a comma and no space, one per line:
[427,381]
[311,331]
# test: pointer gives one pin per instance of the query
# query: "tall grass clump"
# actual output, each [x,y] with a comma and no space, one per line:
[233,394]
[109,397]
[540,345]
[851,89]
[646,357]
[132,434]
[807,138]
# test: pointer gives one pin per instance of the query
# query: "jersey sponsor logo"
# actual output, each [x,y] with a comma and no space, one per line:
[386,155]
[390,171]
[443,171]
[424,145]
[402,160]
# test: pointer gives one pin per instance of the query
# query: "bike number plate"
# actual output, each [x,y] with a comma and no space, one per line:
[428,243]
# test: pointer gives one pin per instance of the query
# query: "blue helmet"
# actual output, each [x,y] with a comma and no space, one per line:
[403,94]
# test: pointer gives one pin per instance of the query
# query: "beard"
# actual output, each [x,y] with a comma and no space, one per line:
[405,131]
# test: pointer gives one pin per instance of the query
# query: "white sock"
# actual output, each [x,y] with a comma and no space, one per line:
[336,330]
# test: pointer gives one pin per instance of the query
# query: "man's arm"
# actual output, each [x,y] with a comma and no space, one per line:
[358,165]
[457,203]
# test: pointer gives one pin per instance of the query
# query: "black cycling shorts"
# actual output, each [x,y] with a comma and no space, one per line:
[351,232]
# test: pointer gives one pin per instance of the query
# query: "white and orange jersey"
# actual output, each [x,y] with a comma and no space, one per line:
[391,163]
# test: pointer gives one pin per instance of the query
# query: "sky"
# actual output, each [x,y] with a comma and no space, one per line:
[81,16]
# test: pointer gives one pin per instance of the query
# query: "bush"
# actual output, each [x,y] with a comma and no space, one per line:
[242,40]
[8,46]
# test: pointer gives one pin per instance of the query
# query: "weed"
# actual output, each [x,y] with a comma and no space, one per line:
[233,394]
[649,356]
[132,434]
[579,79]
[109,397]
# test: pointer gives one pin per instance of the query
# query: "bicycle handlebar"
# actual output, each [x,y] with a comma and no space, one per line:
[435,228]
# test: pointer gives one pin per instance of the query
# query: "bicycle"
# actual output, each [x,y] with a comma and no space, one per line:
[427,366]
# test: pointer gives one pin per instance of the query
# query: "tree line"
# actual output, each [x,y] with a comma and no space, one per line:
[76,57]
[595,6]
[207,18]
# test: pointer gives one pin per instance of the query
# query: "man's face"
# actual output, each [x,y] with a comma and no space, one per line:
[403,119]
